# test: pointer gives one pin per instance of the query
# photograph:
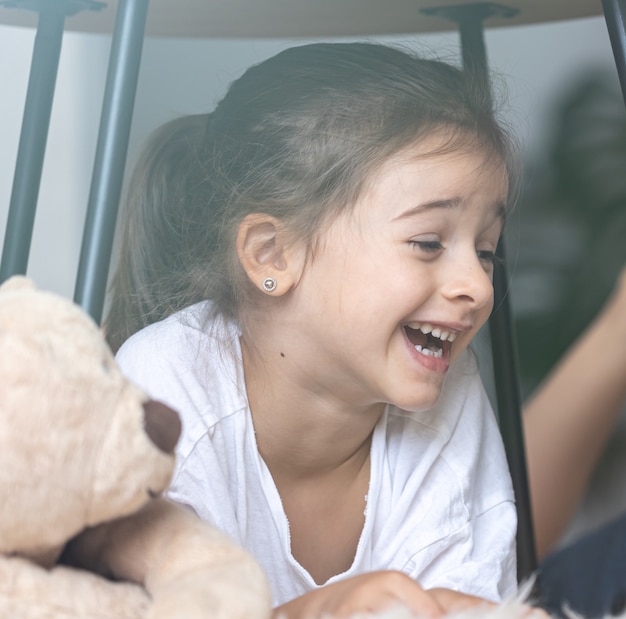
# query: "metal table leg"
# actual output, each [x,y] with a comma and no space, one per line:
[615,16]
[33,138]
[470,22]
[111,151]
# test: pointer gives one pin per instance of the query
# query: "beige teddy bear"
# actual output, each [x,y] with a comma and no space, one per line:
[83,457]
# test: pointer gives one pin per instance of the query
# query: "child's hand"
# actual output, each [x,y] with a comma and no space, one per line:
[373,592]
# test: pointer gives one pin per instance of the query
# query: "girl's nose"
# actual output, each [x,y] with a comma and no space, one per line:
[468,281]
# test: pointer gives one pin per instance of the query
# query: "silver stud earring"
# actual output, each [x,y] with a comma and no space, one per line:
[269,284]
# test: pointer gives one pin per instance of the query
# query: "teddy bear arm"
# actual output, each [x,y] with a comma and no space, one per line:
[186,565]
[123,549]
[202,572]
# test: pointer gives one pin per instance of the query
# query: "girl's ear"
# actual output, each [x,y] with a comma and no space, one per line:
[266,253]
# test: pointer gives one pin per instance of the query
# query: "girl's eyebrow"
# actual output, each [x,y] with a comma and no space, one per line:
[499,207]
[428,206]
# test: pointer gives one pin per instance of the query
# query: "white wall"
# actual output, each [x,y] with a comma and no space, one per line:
[187,76]
[71,143]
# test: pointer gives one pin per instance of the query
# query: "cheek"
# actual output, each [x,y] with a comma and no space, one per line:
[461,343]
[485,312]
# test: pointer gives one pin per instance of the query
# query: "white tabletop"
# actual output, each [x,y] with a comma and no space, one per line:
[304,18]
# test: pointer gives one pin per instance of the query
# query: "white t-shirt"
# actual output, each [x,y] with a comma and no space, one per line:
[440,503]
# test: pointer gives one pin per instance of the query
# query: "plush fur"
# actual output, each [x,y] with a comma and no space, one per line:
[83,457]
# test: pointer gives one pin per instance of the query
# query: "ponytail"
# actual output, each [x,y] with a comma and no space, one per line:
[154,273]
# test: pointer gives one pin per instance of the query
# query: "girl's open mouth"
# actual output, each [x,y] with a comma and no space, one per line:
[430,341]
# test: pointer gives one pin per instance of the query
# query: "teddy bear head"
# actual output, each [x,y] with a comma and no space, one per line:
[79,444]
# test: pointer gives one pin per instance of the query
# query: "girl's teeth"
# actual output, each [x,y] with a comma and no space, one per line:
[428,352]
[437,332]
[446,335]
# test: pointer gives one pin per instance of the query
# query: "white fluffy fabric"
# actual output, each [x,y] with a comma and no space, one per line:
[517,607]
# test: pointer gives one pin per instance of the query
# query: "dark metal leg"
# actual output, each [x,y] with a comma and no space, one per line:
[32,145]
[615,16]
[35,123]
[110,161]
[504,348]
[470,21]
[504,351]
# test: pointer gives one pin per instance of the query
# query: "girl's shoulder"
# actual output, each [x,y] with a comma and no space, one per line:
[180,336]
[190,360]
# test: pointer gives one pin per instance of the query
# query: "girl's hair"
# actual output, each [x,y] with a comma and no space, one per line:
[297,136]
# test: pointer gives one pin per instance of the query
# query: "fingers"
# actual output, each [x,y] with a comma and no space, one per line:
[365,594]
[375,592]
[378,591]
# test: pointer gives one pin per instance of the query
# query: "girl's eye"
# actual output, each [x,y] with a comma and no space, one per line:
[429,246]
[488,256]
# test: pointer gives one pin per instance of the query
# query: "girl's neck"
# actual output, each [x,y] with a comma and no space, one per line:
[303,431]
[317,449]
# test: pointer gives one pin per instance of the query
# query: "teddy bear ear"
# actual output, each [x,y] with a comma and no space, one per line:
[17,282]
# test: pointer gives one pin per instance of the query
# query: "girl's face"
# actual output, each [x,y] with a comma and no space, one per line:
[402,283]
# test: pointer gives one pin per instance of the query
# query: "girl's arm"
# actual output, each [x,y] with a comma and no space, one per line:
[569,419]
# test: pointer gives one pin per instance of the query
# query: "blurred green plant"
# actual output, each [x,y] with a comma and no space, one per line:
[569,227]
